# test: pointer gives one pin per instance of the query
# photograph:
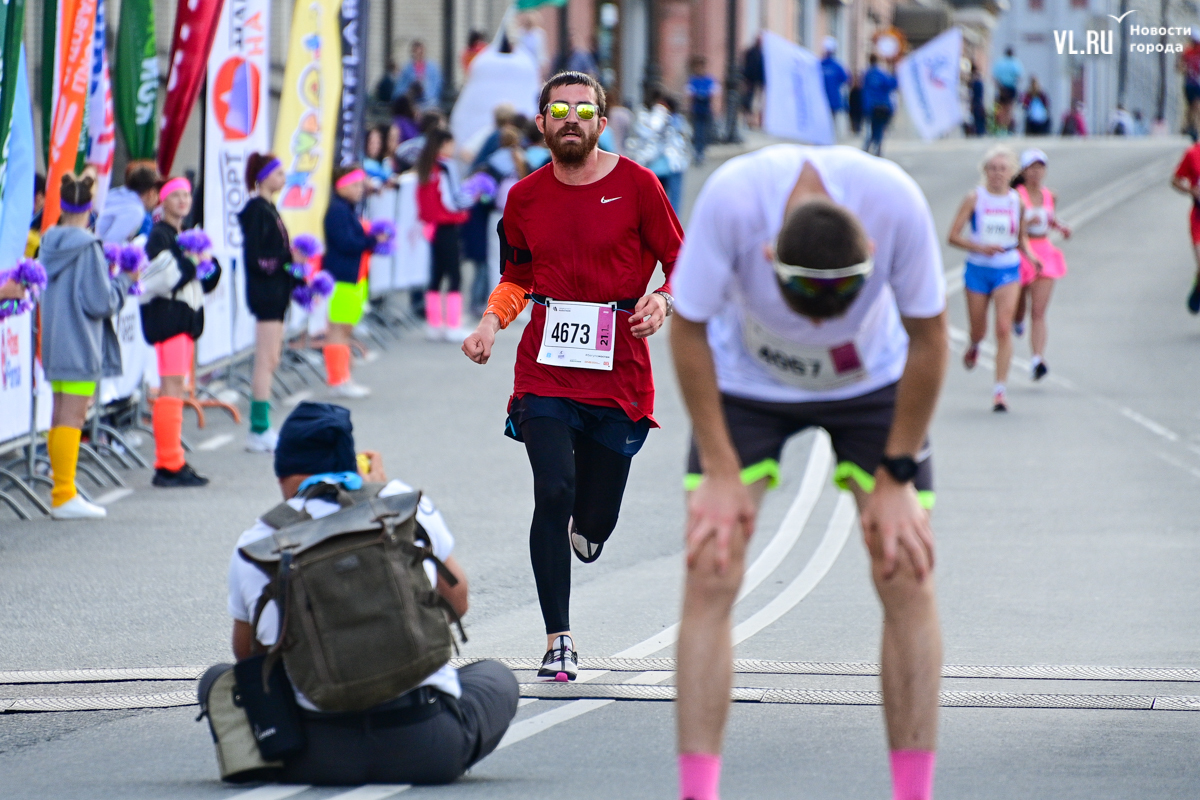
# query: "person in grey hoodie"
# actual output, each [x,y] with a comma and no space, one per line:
[79,343]
[127,210]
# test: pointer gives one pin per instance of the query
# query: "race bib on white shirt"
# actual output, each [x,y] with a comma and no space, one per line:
[814,368]
[578,335]
[996,228]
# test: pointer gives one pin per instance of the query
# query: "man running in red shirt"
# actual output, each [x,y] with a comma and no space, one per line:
[1187,180]
[581,237]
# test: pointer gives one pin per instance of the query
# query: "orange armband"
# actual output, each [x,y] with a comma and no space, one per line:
[507,301]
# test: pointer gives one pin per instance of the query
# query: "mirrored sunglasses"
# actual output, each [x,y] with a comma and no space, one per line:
[560,110]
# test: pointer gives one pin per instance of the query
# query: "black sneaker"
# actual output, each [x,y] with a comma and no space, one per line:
[999,403]
[1040,371]
[184,476]
[561,662]
[1193,303]
[585,551]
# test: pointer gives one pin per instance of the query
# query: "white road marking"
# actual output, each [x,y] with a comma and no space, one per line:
[372,791]
[215,442]
[108,498]
[272,791]
[1149,424]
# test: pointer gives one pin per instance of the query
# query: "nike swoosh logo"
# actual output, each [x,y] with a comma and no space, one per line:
[630,441]
[1123,16]
[609,200]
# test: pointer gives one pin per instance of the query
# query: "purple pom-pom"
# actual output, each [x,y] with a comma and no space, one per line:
[135,288]
[322,284]
[131,258]
[308,245]
[194,241]
[479,185]
[303,296]
[31,274]
[111,253]
[385,227]
[299,270]
[205,269]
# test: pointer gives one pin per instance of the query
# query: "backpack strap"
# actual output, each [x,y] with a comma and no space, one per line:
[282,516]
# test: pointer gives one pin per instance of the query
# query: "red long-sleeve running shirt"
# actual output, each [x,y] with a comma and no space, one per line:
[596,243]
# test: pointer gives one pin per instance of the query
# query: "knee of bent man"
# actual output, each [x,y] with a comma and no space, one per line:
[711,585]
[901,588]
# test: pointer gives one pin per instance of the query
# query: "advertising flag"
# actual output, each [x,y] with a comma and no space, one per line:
[101,132]
[794,102]
[236,126]
[135,91]
[12,31]
[17,208]
[352,117]
[76,20]
[929,82]
[195,27]
[51,56]
[308,112]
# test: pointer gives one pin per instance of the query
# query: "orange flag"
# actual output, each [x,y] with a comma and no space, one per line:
[76,21]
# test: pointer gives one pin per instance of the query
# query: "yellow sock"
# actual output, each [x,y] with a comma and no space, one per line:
[63,444]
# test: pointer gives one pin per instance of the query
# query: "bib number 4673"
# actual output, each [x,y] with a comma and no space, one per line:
[571,333]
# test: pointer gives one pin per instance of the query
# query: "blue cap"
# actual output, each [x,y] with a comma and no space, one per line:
[315,438]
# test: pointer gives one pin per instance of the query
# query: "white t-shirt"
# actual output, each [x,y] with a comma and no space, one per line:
[761,348]
[246,581]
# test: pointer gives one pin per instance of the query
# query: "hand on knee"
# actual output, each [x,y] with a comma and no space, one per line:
[713,586]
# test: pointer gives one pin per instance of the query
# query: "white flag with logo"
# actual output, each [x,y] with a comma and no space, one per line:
[929,83]
[238,82]
[794,101]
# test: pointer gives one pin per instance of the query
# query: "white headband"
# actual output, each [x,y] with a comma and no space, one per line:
[791,271]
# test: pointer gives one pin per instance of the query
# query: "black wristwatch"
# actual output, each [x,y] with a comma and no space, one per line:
[902,468]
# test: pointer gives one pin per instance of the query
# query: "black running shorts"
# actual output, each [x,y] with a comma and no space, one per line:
[858,428]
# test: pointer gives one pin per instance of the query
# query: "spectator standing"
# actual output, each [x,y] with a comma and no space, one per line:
[1121,123]
[1189,65]
[34,240]
[503,114]
[835,76]
[978,110]
[1037,110]
[582,59]
[422,72]
[376,161]
[854,104]
[443,210]
[754,77]
[537,155]
[658,142]
[1007,74]
[1073,123]
[476,44]
[127,209]
[620,120]
[404,118]
[878,85]
[702,90]
[385,90]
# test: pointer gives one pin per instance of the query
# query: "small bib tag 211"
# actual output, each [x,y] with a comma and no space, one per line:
[578,335]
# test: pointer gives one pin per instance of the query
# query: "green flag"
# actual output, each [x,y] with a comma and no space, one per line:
[49,61]
[8,81]
[135,79]
[529,5]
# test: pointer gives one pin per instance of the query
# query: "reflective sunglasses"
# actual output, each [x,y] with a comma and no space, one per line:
[561,110]
[812,282]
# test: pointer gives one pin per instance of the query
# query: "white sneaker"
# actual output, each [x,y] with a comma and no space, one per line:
[350,390]
[262,442]
[433,334]
[78,508]
[457,334]
[368,357]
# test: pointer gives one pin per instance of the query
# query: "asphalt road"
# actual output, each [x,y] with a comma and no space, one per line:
[1066,536]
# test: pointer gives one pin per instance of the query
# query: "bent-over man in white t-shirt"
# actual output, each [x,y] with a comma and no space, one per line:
[431,734]
[810,293]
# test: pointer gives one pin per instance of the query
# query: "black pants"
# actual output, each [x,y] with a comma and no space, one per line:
[447,260]
[436,748]
[573,476]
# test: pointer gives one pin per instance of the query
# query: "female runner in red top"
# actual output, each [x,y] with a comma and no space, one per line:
[582,238]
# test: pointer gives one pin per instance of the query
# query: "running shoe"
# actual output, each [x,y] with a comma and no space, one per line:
[999,403]
[970,356]
[350,390]
[184,476]
[262,442]
[1018,329]
[78,508]
[585,551]
[435,334]
[1194,298]
[561,662]
[1040,370]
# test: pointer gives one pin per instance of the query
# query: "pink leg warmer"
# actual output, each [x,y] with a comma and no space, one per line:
[699,776]
[912,774]
[433,309]
[453,309]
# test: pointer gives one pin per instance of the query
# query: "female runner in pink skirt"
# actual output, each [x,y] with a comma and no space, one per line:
[1036,287]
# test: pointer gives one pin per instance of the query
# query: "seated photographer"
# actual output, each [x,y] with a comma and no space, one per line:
[429,735]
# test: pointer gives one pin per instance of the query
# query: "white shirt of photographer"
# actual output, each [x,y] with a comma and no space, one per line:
[246,581]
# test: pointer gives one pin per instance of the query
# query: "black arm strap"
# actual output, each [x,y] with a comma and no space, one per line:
[508,253]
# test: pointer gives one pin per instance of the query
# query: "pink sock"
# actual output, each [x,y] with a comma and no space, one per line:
[433,309]
[699,776]
[453,309]
[912,774]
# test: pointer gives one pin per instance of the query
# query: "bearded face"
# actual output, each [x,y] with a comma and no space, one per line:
[570,142]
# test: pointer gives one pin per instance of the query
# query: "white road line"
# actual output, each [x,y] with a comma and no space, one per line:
[832,543]
[1149,424]
[272,791]
[372,791]
[215,442]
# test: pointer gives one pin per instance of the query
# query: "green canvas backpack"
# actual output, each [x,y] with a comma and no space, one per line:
[360,623]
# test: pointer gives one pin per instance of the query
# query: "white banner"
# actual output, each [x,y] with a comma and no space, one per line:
[236,126]
[135,354]
[217,340]
[794,102]
[383,205]
[16,368]
[243,320]
[412,251]
[929,83]
[101,128]
[494,78]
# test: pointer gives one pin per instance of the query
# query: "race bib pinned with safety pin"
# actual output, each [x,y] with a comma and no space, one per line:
[578,335]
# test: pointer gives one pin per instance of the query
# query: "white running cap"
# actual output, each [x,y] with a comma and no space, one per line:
[1032,156]
[830,44]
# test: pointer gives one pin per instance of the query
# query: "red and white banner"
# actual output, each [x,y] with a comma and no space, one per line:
[195,27]
[101,126]
[76,23]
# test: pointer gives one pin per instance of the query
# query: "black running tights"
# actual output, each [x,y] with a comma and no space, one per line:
[572,476]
